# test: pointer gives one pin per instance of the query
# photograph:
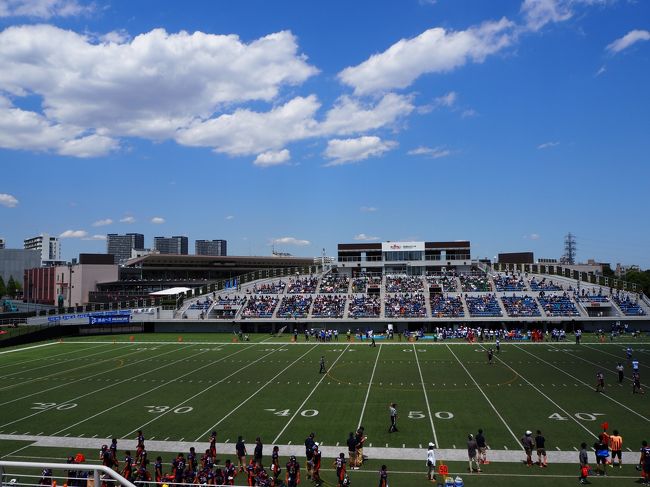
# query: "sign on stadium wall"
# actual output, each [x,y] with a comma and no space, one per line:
[401,246]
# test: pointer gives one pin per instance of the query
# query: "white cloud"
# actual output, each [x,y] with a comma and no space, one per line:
[43,9]
[342,151]
[157,220]
[601,70]
[368,209]
[230,217]
[116,36]
[532,236]
[469,113]
[103,223]
[350,116]
[538,13]
[74,234]
[447,100]
[95,237]
[627,40]
[272,158]
[431,152]
[8,200]
[364,237]
[150,86]
[127,219]
[291,241]
[548,145]
[434,51]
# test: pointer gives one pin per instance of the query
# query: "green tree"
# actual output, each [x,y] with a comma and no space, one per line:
[3,288]
[640,279]
[12,289]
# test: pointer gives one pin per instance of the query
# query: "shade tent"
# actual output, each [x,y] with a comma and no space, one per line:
[173,291]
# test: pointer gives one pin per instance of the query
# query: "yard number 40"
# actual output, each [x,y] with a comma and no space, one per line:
[580,416]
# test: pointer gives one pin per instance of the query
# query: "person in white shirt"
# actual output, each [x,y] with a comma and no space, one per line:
[431,462]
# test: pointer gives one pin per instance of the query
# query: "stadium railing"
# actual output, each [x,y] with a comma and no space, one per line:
[16,470]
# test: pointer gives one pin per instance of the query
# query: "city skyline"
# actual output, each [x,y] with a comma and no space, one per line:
[301,126]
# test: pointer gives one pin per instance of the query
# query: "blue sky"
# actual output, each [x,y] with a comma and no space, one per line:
[508,123]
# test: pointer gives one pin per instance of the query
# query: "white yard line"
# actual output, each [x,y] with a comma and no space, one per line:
[365,401]
[94,391]
[164,384]
[211,428]
[54,366]
[310,394]
[13,364]
[202,391]
[589,386]
[103,372]
[28,348]
[548,398]
[426,397]
[487,399]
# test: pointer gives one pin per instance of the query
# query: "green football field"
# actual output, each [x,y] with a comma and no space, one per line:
[58,398]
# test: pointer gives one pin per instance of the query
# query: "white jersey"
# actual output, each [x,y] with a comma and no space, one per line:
[431,457]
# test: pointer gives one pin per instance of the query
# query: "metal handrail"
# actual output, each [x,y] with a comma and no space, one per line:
[96,469]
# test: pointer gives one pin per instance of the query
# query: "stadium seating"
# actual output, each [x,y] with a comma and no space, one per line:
[449,307]
[449,284]
[475,283]
[485,306]
[304,285]
[329,306]
[520,306]
[364,307]
[406,305]
[628,306]
[505,282]
[270,288]
[404,284]
[260,307]
[332,283]
[295,306]
[558,305]
[544,284]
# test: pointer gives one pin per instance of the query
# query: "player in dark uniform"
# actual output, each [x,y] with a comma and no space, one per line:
[600,382]
[340,469]
[113,450]
[352,451]
[315,472]
[383,476]
[644,462]
[250,473]
[213,444]
[293,472]
[178,467]
[636,383]
[105,457]
[229,473]
[127,471]
[275,466]
[192,462]
[259,447]
[139,447]
[490,355]
[240,449]
[158,469]
[540,445]
[322,365]
[309,453]
[46,477]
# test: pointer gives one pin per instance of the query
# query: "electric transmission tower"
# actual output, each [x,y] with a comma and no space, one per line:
[570,249]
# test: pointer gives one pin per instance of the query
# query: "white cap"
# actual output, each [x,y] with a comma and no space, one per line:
[316,443]
[528,433]
[431,444]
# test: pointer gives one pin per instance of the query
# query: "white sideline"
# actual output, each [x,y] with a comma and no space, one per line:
[202,435]
[365,401]
[13,364]
[153,388]
[203,391]
[27,348]
[487,399]
[585,384]
[307,398]
[548,398]
[426,398]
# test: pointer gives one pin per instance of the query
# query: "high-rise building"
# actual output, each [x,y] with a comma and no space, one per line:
[121,245]
[176,245]
[47,245]
[215,248]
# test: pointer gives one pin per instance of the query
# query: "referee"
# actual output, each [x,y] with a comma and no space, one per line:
[392,408]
